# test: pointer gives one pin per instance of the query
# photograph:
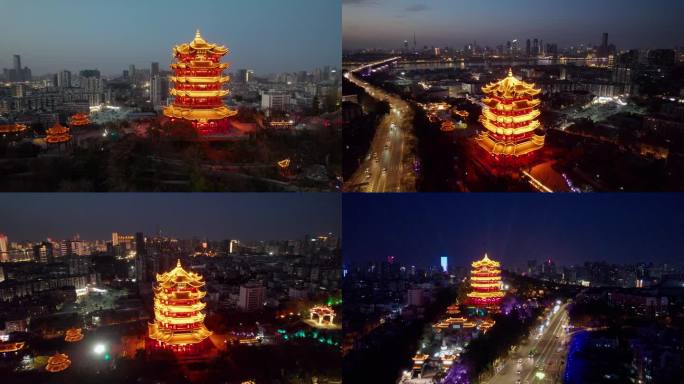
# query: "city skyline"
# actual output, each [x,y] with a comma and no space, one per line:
[384,24]
[111,43]
[244,216]
[512,228]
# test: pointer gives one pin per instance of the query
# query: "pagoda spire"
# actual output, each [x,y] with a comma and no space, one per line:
[178,264]
[510,71]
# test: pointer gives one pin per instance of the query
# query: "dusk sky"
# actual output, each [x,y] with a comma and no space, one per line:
[629,23]
[268,36]
[242,216]
[513,228]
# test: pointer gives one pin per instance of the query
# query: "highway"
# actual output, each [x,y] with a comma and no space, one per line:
[387,166]
[549,360]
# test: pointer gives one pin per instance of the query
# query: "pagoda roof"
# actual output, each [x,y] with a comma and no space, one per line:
[197,114]
[322,310]
[179,275]
[196,65]
[201,46]
[12,128]
[510,87]
[213,93]
[57,362]
[485,262]
[177,338]
[11,347]
[199,79]
[57,129]
[511,149]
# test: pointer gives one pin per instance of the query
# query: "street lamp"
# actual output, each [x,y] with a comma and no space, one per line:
[99,349]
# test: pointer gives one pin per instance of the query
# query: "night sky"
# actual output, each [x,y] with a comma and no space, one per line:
[513,228]
[630,23]
[216,216]
[269,36]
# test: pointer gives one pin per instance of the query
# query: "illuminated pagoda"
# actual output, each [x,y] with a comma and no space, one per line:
[11,347]
[58,134]
[510,118]
[485,281]
[73,335]
[178,319]
[57,362]
[12,129]
[198,82]
[79,120]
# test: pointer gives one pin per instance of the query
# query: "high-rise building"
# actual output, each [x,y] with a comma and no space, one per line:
[178,319]
[93,87]
[4,251]
[43,252]
[414,297]
[510,118]
[252,296]
[64,79]
[604,44]
[17,63]
[444,263]
[528,48]
[233,246]
[198,86]
[17,73]
[275,100]
[244,75]
[131,73]
[154,69]
[535,47]
[141,274]
[159,88]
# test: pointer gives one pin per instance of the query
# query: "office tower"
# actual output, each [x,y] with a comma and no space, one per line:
[252,297]
[64,79]
[444,263]
[159,89]
[140,258]
[43,252]
[528,48]
[4,251]
[154,69]
[414,297]
[17,63]
[275,100]
[131,73]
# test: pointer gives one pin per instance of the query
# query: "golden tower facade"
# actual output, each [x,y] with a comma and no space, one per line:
[58,134]
[198,86]
[510,118]
[485,283]
[178,319]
